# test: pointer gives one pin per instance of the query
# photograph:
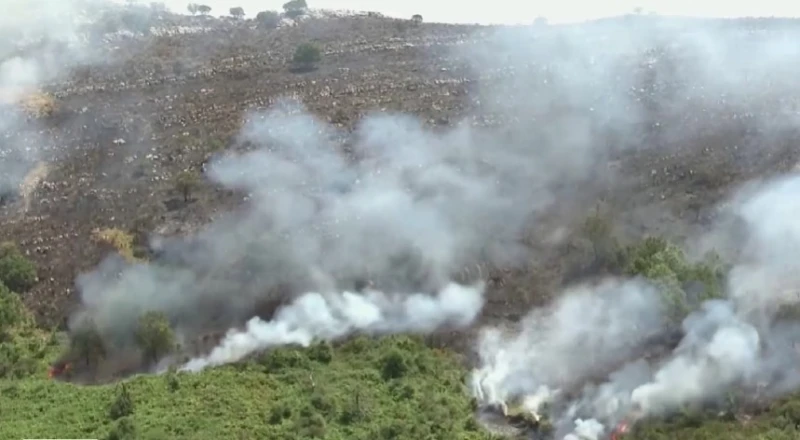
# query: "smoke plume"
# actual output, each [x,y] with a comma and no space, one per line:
[406,207]
[315,316]
[744,340]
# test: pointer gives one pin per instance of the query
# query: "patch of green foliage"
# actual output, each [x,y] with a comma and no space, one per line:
[24,349]
[16,272]
[393,387]
[684,284]
[781,421]
[307,55]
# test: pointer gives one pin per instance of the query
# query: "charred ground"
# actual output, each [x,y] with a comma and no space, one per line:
[122,133]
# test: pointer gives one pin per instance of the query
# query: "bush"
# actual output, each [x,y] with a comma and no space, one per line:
[321,352]
[186,182]
[122,406]
[124,429]
[16,272]
[306,56]
[12,312]
[87,344]
[665,264]
[598,229]
[393,365]
[155,336]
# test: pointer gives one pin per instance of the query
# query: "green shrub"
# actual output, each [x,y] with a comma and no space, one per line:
[155,336]
[86,343]
[186,182]
[306,56]
[321,352]
[393,365]
[16,272]
[122,405]
[124,429]
[12,312]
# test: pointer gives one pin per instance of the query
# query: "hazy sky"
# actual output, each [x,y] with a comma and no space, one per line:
[521,11]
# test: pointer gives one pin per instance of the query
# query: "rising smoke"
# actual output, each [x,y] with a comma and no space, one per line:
[739,341]
[410,206]
[41,42]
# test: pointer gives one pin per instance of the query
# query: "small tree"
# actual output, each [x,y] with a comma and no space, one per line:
[16,272]
[154,336]
[268,19]
[237,12]
[295,8]
[87,344]
[306,56]
[193,8]
[393,365]
[416,18]
[185,183]
[204,9]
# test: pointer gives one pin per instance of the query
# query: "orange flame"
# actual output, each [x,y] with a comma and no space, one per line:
[620,430]
[57,370]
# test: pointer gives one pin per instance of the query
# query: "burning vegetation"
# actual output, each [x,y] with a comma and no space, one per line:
[314,251]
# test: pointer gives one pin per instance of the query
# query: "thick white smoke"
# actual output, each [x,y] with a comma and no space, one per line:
[316,316]
[738,341]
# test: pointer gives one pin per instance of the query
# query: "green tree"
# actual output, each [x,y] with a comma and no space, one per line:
[186,182]
[664,263]
[155,336]
[204,9]
[16,272]
[268,19]
[237,12]
[306,56]
[393,365]
[599,231]
[295,8]
[192,8]
[87,344]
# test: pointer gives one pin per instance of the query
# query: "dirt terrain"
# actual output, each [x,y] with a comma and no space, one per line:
[122,131]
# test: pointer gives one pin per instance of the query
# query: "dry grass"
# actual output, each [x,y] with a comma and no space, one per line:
[35,104]
[118,239]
